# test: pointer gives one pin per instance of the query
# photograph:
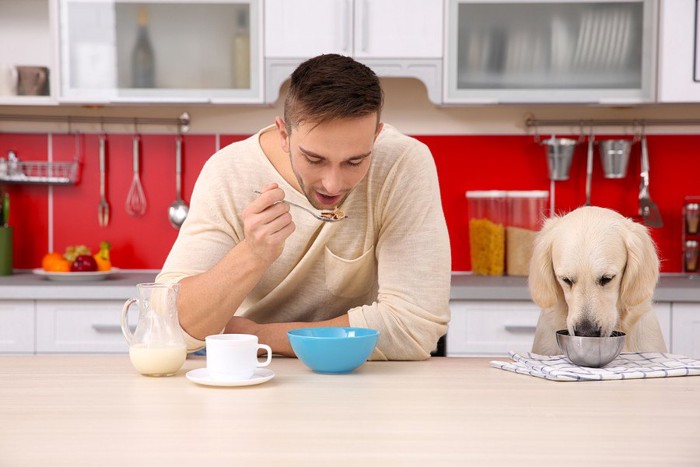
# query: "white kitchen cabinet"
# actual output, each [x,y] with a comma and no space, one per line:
[686,329]
[25,35]
[483,327]
[542,51]
[679,59]
[17,326]
[116,51]
[85,326]
[396,38]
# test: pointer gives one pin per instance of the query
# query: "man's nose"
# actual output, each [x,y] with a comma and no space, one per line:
[333,181]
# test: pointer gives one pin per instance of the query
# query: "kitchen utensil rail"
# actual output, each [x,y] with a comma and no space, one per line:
[532,122]
[182,122]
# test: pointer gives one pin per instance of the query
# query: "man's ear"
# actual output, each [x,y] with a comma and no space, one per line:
[283,134]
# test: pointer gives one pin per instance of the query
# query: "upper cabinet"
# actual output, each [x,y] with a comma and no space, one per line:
[26,53]
[396,38]
[679,54]
[544,51]
[160,51]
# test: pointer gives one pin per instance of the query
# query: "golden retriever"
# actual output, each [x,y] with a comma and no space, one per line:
[593,272]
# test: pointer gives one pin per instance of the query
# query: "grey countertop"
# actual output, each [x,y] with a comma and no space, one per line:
[122,284]
[465,286]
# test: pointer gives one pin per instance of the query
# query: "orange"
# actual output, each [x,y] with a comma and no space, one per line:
[55,262]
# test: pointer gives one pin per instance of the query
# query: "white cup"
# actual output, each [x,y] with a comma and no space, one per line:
[234,356]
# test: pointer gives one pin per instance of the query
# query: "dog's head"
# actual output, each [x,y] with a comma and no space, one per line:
[594,265]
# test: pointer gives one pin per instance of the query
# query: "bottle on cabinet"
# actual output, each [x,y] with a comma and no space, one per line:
[241,52]
[142,57]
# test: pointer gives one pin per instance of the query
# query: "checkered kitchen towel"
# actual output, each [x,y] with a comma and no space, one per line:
[628,365]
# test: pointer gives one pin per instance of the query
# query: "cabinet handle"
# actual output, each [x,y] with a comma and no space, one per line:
[365,25]
[110,328]
[346,22]
[520,328]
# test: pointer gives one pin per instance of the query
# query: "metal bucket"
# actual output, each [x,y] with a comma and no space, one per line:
[614,156]
[560,153]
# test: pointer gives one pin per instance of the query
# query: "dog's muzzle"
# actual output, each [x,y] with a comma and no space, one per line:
[587,328]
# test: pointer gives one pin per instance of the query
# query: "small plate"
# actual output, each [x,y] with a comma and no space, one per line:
[201,376]
[75,276]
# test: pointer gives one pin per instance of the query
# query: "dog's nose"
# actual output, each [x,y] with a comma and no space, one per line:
[587,328]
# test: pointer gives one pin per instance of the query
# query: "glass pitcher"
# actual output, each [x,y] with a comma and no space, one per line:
[156,347]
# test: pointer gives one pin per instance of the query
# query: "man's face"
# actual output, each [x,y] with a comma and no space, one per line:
[330,159]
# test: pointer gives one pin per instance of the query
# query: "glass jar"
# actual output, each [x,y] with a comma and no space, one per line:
[690,256]
[487,218]
[526,213]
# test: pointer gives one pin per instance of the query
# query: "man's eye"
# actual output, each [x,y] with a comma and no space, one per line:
[605,279]
[313,161]
[355,163]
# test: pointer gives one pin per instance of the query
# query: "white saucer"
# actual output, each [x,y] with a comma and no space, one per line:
[201,376]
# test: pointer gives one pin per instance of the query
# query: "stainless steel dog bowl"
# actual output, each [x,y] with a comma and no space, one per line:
[593,352]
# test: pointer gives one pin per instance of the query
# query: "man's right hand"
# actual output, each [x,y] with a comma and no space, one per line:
[267,223]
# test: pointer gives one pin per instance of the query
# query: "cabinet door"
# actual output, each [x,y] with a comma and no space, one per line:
[17,326]
[679,67]
[686,329]
[90,326]
[160,51]
[306,28]
[490,327]
[398,28]
[551,51]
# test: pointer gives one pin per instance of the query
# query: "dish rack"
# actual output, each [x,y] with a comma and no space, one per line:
[40,172]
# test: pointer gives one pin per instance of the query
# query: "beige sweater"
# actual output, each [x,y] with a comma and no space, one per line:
[387,265]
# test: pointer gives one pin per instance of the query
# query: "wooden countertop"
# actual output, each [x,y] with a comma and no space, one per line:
[96,410]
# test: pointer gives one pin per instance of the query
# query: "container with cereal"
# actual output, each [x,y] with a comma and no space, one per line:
[487,218]
[526,213]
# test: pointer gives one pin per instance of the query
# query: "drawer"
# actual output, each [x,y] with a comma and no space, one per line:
[491,328]
[17,326]
[81,326]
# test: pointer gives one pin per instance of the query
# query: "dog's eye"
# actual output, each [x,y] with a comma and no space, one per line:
[605,279]
[567,281]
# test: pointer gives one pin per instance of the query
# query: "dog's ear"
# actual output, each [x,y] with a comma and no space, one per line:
[544,289]
[642,269]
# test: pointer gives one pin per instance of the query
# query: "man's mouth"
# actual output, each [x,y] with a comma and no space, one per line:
[327,200]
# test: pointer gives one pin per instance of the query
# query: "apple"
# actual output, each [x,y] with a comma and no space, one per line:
[83,263]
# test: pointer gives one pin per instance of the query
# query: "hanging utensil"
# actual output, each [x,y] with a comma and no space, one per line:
[103,207]
[589,168]
[136,199]
[647,208]
[177,212]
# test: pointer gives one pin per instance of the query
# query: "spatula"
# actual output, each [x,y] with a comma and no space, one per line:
[647,208]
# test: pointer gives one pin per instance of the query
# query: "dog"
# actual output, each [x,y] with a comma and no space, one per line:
[593,271]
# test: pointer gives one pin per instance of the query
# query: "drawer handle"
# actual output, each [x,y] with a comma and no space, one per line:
[110,328]
[520,328]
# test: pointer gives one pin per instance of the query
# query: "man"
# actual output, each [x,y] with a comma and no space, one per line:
[249,263]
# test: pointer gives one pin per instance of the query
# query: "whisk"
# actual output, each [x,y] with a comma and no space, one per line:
[136,199]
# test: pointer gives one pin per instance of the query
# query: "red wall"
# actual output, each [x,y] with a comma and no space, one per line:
[463,162]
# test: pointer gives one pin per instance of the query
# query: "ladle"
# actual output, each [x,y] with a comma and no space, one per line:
[177,212]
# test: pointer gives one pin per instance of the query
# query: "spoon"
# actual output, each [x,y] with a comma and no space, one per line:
[326,215]
[177,212]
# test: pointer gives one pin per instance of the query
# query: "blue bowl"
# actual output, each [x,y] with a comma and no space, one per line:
[333,350]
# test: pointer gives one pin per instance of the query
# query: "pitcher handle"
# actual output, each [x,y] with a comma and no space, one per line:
[125,322]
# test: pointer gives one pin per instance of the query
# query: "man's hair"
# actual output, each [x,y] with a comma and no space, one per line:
[329,87]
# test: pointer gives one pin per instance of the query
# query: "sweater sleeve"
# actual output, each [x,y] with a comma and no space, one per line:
[414,262]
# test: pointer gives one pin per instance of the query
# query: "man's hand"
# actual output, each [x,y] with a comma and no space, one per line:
[267,224]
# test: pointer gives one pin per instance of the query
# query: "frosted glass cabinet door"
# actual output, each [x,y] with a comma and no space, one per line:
[160,51]
[551,51]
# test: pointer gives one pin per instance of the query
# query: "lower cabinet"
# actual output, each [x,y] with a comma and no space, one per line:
[686,329]
[498,327]
[17,322]
[81,326]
